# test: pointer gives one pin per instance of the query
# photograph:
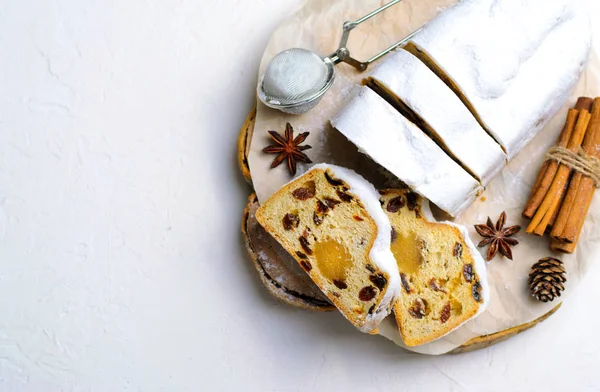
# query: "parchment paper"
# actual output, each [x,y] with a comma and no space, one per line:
[317,26]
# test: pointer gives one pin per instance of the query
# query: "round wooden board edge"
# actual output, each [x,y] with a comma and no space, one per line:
[243,144]
[474,344]
[489,340]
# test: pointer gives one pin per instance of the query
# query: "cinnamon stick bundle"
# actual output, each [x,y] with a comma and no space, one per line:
[549,168]
[558,187]
[581,190]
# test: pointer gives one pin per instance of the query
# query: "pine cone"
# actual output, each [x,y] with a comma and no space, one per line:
[546,279]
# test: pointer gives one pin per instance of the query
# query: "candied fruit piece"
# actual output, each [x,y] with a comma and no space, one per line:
[333,259]
[407,251]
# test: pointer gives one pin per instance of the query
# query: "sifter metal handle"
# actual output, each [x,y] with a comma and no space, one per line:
[342,54]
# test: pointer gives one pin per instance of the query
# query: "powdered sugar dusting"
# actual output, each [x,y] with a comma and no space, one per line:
[433,101]
[516,61]
[402,148]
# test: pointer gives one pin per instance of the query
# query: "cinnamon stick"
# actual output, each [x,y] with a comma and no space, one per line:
[560,203]
[565,247]
[548,170]
[551,201]
[584,103]
[562,247]
[582,191]
[566,206]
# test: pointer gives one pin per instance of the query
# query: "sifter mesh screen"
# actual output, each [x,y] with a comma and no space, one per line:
[294,75]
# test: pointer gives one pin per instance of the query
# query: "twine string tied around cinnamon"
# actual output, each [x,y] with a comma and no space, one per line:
[578,161]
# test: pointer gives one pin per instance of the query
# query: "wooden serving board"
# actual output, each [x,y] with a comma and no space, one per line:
[294,295]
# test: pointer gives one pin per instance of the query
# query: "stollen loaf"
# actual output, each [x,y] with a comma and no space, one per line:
[421,96]
[514,63]
[397,144]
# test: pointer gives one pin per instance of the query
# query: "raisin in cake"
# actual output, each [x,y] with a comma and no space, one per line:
[331,222]
[443,276]
[421,96]
[398,145]
[513,62]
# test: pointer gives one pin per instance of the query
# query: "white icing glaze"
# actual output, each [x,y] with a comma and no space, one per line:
[391,140]
[516,61]
[432,100]
[380,254]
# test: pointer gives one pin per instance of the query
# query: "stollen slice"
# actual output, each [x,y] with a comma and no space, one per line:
[331,222]
[398,145]
[421,96]
[443,276]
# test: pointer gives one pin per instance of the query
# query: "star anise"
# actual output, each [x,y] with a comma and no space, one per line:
[497,237]
[289,148]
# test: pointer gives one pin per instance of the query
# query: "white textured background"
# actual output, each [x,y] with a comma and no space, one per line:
[121,264]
